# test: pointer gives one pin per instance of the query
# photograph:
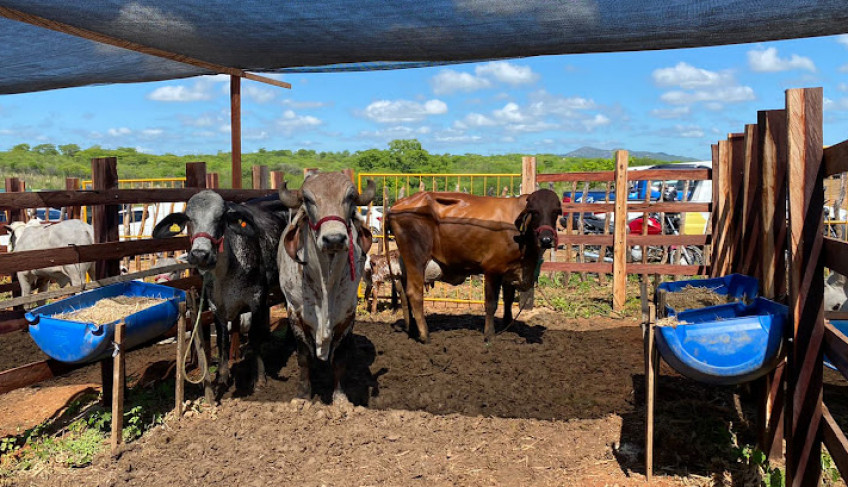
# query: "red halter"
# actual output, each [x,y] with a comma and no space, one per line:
[215,241]
[553,230]
[316,226]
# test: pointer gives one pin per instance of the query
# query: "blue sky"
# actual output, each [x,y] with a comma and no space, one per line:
[675,101]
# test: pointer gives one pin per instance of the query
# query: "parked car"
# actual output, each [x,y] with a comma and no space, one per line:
[376,220]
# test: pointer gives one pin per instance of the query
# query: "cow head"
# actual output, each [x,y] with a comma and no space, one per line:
[208,217]
[16,229]
[329,202]
[537,222]
[835,292]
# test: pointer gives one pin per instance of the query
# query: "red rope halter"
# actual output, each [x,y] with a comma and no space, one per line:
[320,222]
[219,242]
[552,230]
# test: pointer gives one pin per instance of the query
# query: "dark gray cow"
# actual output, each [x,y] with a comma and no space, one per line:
[321,258]
[35,236]
[234,248]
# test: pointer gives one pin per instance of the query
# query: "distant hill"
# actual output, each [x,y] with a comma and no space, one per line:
[591,152]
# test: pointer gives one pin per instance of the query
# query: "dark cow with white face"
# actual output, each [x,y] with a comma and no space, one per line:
[321,258]
[234,247]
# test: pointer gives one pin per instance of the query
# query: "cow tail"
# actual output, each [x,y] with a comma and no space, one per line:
[387,229]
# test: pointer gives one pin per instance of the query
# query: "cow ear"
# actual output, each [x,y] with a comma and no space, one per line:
[522,221]
[171,225]
[364,234]
[291,240]
[241,222]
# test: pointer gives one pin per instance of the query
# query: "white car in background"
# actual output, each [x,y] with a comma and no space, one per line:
[375,221]
[132,228]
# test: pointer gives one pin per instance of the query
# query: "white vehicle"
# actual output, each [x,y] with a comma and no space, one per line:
[375,222]
[134,225]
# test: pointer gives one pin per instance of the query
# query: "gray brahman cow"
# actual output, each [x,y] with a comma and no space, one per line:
[321,258]
[35,236]
[234,247]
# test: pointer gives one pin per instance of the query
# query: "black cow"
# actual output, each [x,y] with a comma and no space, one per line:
[234,246]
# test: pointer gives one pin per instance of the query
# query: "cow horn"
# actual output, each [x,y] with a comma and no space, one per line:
[367,196]
[290,198]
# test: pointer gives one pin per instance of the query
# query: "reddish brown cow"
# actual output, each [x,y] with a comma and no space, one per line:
[501,238]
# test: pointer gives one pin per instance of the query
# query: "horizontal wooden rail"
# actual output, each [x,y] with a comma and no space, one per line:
[836,348]
[669,269]
[835,441]
[595,176]
[155,271]
[835,159]
[58,199]
[36,259]
[640,206]
[835,255]
[33,373]
[599,267]
[633,239]
[670,175]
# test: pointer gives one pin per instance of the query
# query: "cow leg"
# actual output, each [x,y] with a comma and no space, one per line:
[414,290]
[492,284]
[508,299]
[223,341]
[373,291]
[260,328]
[341,357]
[26,284]
[304,355]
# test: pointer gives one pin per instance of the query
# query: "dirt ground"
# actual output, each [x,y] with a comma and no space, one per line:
[551,401]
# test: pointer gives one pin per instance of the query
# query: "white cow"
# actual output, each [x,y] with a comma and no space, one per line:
[35,236]
[321,258]
[836,293]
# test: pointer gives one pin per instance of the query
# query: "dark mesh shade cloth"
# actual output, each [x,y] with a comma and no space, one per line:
[336,35]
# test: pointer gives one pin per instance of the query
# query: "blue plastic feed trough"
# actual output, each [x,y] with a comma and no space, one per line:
[737,287]
[78,342]
[725,344]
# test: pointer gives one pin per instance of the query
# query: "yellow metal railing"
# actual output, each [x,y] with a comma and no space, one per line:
[139,221]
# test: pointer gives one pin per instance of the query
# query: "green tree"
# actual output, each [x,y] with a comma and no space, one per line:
[69,150]
[407,155]
[46,149]
[21,148]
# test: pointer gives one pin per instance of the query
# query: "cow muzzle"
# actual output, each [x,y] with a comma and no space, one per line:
[547,237]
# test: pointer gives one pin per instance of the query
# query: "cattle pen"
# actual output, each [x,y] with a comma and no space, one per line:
[766,221]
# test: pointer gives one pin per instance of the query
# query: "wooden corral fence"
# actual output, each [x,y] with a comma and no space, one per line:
[668,248]
[774,169]
[105,199]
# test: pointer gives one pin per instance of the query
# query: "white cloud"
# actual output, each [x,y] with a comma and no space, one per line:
[291,121]
[543,103]
[457,138]
[152,132]
[180,93]
[598,120]
[396,132]
[731,94]
[404,111]
[843,87]
[511,112]
[258,94]
[835,105]
[767,61]
[842,39]
[676,112]
[485,75]
[689,77]
[843,68]
[506,72]
[118,132]
[688,131]
[450,81]
[304,104]
[476,120]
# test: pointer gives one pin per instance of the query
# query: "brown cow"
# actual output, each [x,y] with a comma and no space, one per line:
[501,238]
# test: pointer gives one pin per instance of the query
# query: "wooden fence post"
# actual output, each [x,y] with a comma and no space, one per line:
[528,174]
[118,382]
[619,248]
[13,185]
[180,377]
[260,177]
[806,281]
[104,219]
[277,178]
[196,176]
[772,164]
[736,180]
[715,229]
[235,130]
[73,212]
[752,202]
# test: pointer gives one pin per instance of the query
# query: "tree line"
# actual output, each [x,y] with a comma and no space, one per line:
[46,165]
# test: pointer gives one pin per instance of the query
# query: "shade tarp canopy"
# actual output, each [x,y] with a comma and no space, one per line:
[339,35]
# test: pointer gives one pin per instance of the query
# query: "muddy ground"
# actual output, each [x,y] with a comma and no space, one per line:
[551,401]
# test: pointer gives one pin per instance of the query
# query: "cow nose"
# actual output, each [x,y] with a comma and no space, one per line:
[201,258]
[335,241]
[547,242]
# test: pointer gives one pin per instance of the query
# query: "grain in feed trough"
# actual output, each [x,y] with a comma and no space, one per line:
[107,310]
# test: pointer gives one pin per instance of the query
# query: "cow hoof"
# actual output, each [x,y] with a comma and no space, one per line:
[304,393]
[341,401]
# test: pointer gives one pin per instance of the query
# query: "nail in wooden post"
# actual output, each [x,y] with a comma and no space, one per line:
[180,386]
[118,387]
